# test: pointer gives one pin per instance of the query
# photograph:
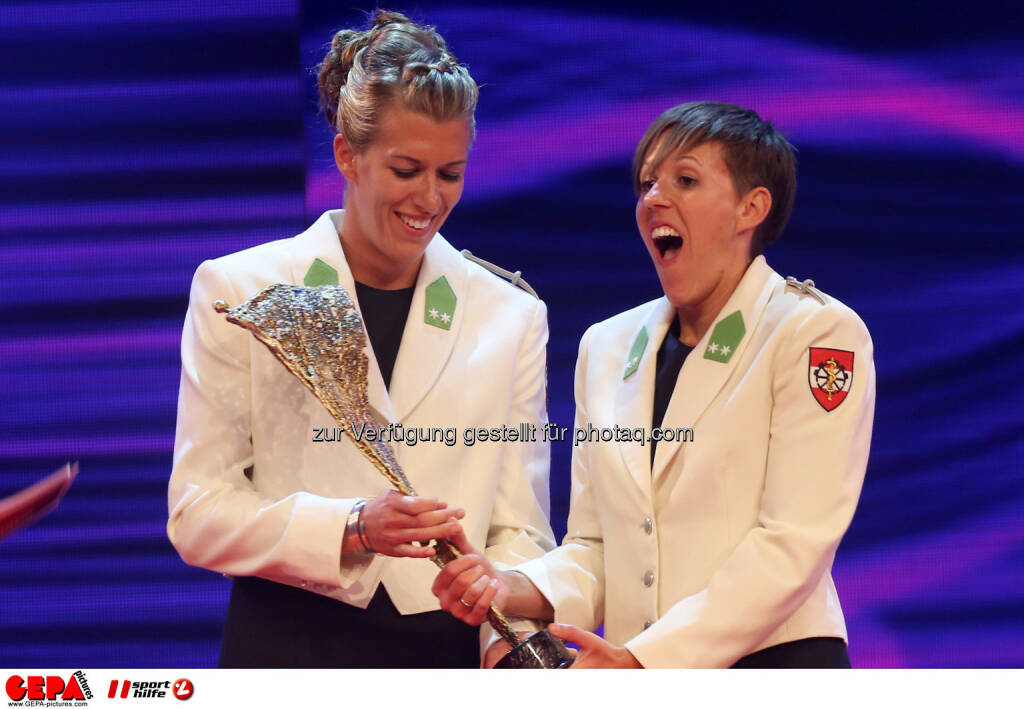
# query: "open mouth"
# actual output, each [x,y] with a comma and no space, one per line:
[666,241]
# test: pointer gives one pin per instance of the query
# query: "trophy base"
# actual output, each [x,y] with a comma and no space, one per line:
[540,651]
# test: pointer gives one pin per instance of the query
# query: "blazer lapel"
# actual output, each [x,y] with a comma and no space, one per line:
[704,373]
[426,342]
[634,400]
[321,241]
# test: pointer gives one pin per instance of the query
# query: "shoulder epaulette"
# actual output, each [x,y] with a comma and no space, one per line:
[515,279]
[807,288]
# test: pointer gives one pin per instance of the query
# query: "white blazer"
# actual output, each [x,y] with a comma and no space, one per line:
[240,410]
[726,546]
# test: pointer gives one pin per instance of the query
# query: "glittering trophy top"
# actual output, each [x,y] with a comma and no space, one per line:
[317,333]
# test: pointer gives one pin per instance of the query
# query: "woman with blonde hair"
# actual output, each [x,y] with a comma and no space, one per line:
[328,564]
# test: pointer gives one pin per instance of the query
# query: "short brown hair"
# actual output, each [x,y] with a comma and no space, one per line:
[756,154]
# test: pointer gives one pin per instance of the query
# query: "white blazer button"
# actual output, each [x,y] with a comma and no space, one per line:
[648,525]
[648,578]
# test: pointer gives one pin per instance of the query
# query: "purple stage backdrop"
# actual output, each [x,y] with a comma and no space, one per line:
[140,138]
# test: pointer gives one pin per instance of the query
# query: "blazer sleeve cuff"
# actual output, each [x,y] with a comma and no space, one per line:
[314,535]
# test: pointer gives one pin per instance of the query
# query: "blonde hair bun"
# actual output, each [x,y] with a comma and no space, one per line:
[395,59]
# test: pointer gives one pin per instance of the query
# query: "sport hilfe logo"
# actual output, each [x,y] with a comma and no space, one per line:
[49,687]
[125,689]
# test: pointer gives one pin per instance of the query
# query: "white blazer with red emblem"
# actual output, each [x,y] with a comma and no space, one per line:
[252,493]
[725,547]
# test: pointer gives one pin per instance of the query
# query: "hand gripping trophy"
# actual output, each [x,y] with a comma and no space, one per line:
[317,333]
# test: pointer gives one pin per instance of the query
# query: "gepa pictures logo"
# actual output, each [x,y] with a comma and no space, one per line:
[49,687]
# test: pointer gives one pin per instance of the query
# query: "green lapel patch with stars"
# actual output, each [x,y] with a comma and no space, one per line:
[321,273]
[636,352]
[439,304]
[725,338]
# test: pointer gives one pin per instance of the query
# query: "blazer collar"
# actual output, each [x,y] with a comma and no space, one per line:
[322,241]
[701,377]
[634,401]
[425,349]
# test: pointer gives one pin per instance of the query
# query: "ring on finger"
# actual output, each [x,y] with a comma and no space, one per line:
[464,602]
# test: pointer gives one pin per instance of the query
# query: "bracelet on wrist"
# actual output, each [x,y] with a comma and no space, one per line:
[361,528]
[352,527]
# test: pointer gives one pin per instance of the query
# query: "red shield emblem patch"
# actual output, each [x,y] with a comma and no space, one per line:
[830,374]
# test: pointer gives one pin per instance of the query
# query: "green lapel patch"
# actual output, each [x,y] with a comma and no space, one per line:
[439,304]
[725,338]
[321,273]
[636,352]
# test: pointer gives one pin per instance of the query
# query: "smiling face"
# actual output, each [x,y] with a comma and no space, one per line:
[697,229]
[399,192]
